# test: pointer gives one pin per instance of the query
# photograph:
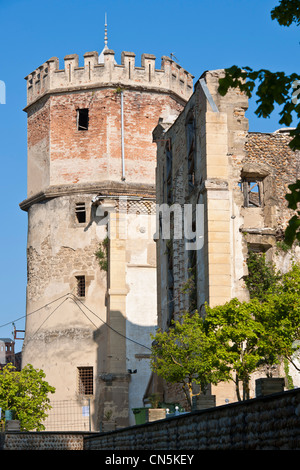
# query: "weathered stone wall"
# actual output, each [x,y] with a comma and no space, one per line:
[42,441]
[48,78]
[95,154]
[70,164]
[59,153]
[269,423]
[228,161]
[272,150]
[202,142]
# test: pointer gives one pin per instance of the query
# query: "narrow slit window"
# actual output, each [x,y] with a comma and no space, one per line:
[80,286]
[192,273]
[191,151]
[80,212]
[169,173]
[82,119]
[170,283]
[85,380]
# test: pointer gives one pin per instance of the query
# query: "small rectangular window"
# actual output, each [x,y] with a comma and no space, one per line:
[80,212]
[80,286]
[85,380]
[82,119]
[253,192]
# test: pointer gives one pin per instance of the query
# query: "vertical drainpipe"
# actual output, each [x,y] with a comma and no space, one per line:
[122,136]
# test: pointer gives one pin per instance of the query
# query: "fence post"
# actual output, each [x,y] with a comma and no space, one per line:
[90,426]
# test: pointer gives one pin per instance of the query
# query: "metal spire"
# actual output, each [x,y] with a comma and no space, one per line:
[101,56]
[105,33]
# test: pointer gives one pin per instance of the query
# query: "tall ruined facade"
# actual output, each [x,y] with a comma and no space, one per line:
[207,158]
[91,188]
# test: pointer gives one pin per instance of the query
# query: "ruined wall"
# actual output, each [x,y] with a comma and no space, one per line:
[228,161]
[241,179]
[272,150]
[218,135]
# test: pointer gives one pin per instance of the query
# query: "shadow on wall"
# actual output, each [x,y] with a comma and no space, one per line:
[123,371]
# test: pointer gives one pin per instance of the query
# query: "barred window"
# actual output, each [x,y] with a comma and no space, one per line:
[85,380]
[80,286]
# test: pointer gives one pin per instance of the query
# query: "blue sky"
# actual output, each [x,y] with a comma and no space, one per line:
[202,35]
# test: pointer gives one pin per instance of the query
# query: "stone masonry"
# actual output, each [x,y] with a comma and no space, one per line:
[90,147]
[207,157]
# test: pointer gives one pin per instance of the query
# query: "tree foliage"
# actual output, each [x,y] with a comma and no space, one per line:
[234,326]
[26,394]
[280,315]
[187,354]
[262,276]
[287,12]
[292,231]
[233,340]
[271,88]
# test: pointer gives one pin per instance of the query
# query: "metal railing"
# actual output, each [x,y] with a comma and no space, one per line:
[69,415]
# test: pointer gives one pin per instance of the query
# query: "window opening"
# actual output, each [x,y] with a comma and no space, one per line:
[80,286]
[252,191]
[191,150]
[169,173]
[170,281]
[82,119]
[85,380]
[192,274]
[80,212]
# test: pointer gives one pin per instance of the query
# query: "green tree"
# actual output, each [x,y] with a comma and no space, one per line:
[260,332]
[262,276]
[234,326]
[186,354]
[25,392]
[280,317]
[292,232]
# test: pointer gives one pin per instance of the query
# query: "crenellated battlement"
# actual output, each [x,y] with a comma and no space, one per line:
[49,78]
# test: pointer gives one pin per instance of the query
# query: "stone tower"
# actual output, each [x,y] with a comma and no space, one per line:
[91,188]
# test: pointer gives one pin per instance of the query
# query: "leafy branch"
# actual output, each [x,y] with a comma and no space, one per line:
[102,254]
